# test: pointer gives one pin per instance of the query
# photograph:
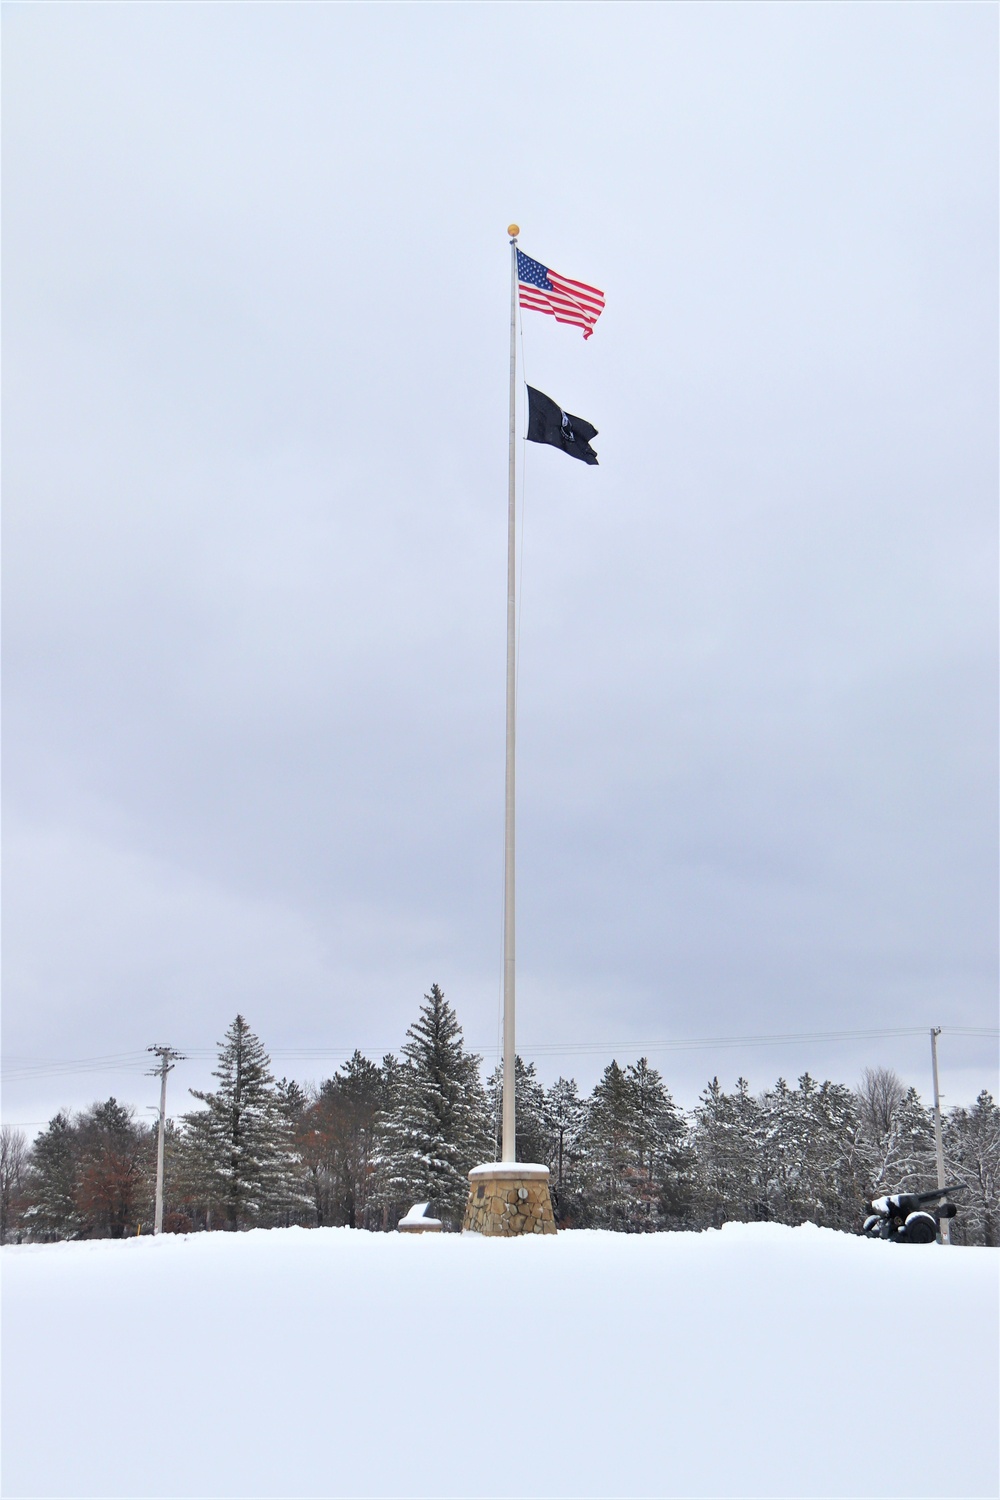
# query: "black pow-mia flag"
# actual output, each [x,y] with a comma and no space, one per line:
[548,423]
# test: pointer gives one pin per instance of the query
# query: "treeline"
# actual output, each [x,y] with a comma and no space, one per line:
[377,1137]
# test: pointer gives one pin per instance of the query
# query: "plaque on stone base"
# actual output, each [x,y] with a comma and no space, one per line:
[509,1198]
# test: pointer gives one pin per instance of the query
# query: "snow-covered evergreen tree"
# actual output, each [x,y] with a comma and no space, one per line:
[438,1122]
[52,1211]
[834,1188]
[240,1149]
[728,1143]
[533,1129]
[360,1093]
[177,1215]
[972,1156]
[338,1135]
[896,1136]
[383,1205]
[294,1100]
[664,1157]
[809,1167]
[609,1152]
[567,1115]
[115,1167]
[632,1144]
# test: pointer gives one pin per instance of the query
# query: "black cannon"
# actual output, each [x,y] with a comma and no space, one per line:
[910,1218]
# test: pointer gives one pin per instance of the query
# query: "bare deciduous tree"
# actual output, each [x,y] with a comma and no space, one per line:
[13,1152]
[880,1094]
[895,1143]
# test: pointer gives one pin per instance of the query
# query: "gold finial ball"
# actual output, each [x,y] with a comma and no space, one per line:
[513,229]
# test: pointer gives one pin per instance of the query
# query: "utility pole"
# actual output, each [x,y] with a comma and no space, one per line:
[944,1224]
[167,1057]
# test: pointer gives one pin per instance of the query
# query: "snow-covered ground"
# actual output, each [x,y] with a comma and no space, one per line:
[757,1361]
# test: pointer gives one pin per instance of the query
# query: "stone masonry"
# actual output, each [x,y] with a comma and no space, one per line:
[509,1198]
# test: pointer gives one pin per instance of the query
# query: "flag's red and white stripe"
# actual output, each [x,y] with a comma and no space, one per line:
[568,301]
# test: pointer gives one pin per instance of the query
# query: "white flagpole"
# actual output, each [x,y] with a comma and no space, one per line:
[509,1048]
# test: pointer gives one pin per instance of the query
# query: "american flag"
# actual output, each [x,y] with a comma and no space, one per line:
[548,292]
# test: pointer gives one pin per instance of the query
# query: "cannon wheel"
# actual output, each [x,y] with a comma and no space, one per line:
[921,1228]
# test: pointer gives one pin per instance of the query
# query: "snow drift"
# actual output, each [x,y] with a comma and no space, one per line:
[755,1361]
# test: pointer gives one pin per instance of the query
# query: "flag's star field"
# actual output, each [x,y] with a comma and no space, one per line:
[533,272]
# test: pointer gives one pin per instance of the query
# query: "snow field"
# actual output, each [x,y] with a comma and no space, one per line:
[755,1361]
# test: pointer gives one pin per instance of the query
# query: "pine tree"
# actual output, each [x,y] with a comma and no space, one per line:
[661,1141]
[437,1125]
[609,1155]
[632,1144]
[832,1184]
[972,1153]
[240,1149]
[809,1167]
[777,1149]
[728,1142]
[567,1116]
[338,1136]
[178,1217]
[896,1136]
[913,1162]
[361,1096]
[382,1203]
[53,1212]
[114,1187]
[533,1129]
[294,1100]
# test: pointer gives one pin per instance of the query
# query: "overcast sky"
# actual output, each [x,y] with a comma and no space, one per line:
[255,348]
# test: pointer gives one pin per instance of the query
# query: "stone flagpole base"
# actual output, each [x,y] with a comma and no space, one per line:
[508,1198]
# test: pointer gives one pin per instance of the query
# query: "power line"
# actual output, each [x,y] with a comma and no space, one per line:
[22,1070]
[109,1061]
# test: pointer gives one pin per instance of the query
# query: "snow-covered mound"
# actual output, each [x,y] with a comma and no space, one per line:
[758,1361]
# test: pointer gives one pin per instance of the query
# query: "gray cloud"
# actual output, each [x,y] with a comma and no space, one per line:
[254,474]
